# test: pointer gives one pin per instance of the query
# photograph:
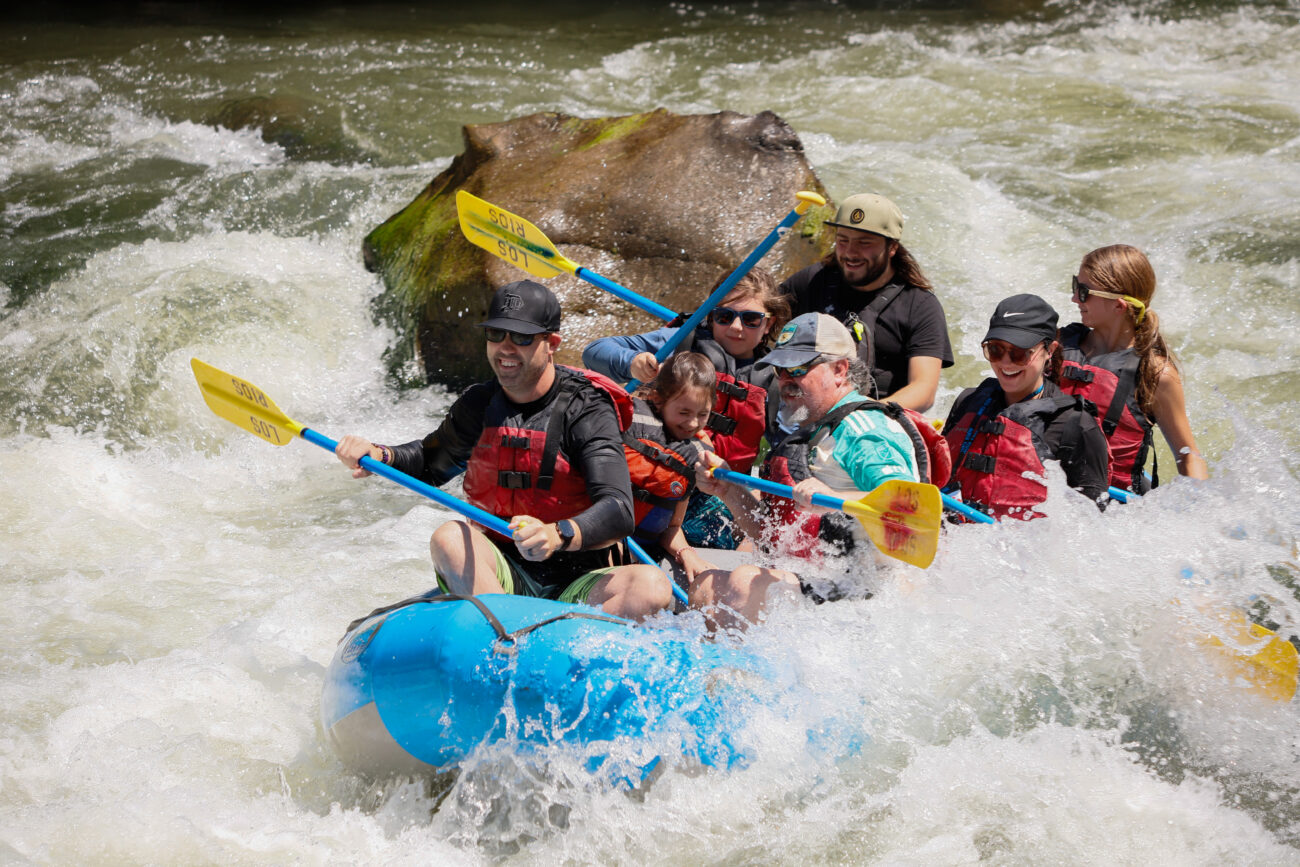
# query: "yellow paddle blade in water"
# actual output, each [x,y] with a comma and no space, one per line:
[902,519]
[509,237]
[1245,651]
[244,404]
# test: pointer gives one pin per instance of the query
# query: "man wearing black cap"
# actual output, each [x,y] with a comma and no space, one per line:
[541,448]
[871,283]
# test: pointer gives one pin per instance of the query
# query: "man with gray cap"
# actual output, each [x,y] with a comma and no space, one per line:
[541,448]
[871,283]
[846,445]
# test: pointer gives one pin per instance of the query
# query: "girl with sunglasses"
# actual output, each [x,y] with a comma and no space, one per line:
[733,338]
[1003,432]
[1116,357]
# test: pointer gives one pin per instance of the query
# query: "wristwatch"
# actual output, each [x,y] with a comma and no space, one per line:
[567,531]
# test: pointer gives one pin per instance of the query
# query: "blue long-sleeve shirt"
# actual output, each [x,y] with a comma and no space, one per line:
[613,356]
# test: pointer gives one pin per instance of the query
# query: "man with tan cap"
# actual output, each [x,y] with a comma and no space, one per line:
[871,283]
[845,446]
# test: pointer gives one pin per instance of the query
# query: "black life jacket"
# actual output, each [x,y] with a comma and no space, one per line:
[861,322]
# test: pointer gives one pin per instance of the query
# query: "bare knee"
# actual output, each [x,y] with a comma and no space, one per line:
[635,592]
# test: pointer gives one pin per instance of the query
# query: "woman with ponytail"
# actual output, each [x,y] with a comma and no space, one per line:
[1116,357]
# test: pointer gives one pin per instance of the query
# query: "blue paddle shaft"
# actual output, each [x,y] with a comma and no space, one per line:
[620,291]
[966,511]
[722,291]
[474,513]
[770,487]
[1120,495]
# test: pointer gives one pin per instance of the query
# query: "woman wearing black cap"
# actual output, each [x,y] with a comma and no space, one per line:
[1002,432]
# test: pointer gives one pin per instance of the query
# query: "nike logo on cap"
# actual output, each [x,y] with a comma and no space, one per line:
[1005,315]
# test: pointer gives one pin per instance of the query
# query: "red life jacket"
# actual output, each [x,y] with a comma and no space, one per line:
[1110,381]
[995,450]
[745,405]
[517,468]
[662,471]
[788,465]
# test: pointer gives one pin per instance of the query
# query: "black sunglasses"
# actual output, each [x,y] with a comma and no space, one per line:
[724,316]
[995,350]
[496,335]
[1082,290]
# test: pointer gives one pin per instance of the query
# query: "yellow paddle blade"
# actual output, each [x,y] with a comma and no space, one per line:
[902,518]
[509,237]
[1243,650]
[244,404]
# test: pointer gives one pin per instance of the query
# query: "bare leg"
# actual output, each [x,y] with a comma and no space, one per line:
[733,600]
[635,592]
[465,559]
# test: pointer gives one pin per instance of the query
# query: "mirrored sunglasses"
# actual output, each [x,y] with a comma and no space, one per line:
[801,370]
[496,335]
[724,316]
[996,350]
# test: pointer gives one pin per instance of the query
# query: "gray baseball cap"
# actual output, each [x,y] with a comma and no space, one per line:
[806,338]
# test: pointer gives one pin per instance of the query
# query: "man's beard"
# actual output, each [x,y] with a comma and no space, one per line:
[873,273]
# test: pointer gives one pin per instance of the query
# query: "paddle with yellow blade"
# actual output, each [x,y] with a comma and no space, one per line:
[517,241]
[901,517]
[1266,662]
[247,406]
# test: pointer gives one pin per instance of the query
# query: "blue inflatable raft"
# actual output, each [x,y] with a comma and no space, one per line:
[417,687]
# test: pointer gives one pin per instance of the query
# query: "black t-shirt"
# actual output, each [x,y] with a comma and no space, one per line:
[912,324]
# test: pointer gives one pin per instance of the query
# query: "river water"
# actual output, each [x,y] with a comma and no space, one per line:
[173,587]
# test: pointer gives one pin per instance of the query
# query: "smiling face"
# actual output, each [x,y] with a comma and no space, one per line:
[1018,379]
[738,339]
[525,372]
[863,257]
[686,413]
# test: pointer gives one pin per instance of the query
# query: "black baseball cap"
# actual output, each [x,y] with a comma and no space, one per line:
[1022,320]
[523,307]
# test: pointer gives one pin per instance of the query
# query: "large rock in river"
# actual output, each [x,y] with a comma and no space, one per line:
[664,204]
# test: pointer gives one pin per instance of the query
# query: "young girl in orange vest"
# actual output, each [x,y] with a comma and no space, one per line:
[663,444]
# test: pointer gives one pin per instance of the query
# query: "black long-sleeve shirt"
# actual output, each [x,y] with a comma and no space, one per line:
[591,443]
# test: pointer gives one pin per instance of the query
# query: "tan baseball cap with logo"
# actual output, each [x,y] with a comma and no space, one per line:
[870,213]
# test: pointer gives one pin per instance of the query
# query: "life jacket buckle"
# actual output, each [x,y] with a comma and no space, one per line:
[721,423]
[980,463]
[510,441]
[513,480]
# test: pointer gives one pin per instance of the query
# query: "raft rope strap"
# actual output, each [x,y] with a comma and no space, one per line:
[493,621]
